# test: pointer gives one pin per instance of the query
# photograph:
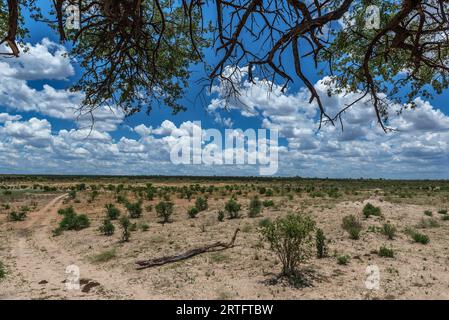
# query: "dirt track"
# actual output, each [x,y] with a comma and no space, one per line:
[40,265]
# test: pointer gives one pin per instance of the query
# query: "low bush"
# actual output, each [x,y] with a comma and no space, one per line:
[2,270]
[221,215]
[291,238]
[385,252]
[352,226]
[268,203]
[107,228]
[17,216]
[343,260]
[321,246]
[201,204]
[428,223]
[370,210]
[104,256]
[193,212]
[144,227]
[389,230]
[71,221]
[134,209]
[125,223]
[428,213]
[255,207]
[112,211]
[164,210]
[420,238]
[442,211]
[264,222]
[232,207]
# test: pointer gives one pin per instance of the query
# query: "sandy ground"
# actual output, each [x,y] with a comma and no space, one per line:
[36,261]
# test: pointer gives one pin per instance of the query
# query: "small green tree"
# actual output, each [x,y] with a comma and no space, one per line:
[370,210]
[107,228]
[321,247]
[255,207]
[353,226]
[112,211]
[221,215]
[291,238]
[232,207]
[134,209]
[164,210]
[201,204]
[193,212]
[125,223]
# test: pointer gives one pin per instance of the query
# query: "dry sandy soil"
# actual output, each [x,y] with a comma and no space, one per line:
[36,261]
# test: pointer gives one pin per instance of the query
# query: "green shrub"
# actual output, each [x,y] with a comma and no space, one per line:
[428,213]
[291,239]
[14,216]
[445,217]
[320,241]
[385,252]
[370,210]
[193,212]
[72,194]
[71,221]
[164,210]
[104,256]
[134,209]
[442,211]
[125,223]
[144,227]
[420,238]
[264,222]
[268,203]
[221,215]
[428,223]
[343,260]
[232,207]
[2,270]
[107,228]
[389,230]
[352,226]
[255,207]
[112,211]
[201,204]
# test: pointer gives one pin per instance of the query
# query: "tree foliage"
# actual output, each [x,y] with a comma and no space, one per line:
[138,52]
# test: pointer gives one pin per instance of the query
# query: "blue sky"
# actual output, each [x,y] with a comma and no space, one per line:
[39,133]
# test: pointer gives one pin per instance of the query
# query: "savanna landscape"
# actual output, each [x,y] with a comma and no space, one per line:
[336,228]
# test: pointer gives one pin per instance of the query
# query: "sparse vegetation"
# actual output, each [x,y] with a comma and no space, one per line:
[385,252]
[125,223]
[112,211]
[17,216]
[2,271]
[201,204]
[255,207]
[134,209]
[370,210]
[343,260]
[104,256]
[321,246]
[71,221]
[232,207]
[389,230]
[107,228]
[221,215]
[291,238]
[164,210]
[193,212]
[352,226]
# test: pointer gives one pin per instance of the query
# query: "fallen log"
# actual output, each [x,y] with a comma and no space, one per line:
[218,246]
